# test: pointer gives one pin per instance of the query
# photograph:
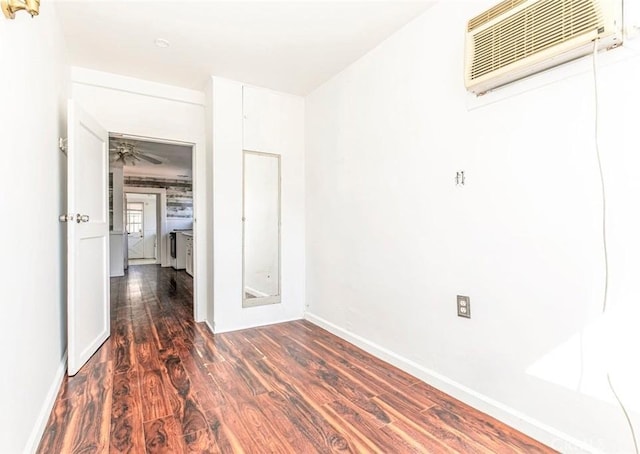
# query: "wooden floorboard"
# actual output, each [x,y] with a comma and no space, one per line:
[164,384]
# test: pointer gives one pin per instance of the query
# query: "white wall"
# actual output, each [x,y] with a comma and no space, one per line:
[391,240]
[179,224]
[32,175]
[227,113]
[136,107]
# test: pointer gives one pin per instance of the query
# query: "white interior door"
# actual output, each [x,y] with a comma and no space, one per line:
[135,229]
[136,245]
[88,318]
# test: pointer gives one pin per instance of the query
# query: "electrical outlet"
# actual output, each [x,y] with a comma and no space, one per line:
[464,306]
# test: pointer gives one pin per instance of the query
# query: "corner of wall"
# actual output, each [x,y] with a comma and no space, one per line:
[47,406]
[208,109]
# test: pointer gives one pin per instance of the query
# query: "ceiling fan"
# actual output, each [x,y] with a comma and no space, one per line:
[128,153]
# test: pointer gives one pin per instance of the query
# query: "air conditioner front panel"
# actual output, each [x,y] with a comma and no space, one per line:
[506,44]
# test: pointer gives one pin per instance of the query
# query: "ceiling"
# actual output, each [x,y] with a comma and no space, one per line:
[176,160]
[290,46]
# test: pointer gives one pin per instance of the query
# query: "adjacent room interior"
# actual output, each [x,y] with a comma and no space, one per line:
[373,226]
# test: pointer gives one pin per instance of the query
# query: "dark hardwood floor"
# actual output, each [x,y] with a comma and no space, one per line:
[163,383]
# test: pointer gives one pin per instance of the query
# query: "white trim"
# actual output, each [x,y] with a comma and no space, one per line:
[47,406]
[161,140]
[518,420]
[126,84]
[241,326]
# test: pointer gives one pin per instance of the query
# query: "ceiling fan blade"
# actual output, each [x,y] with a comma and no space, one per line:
[148,158]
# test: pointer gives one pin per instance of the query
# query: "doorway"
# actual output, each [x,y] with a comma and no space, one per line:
[153,180]
[142,228]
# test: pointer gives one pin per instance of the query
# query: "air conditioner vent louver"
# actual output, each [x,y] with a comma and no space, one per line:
[533,29]
[519,34]
[492,13]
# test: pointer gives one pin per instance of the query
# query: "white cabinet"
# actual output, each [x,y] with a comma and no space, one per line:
[189,254]
[181,249]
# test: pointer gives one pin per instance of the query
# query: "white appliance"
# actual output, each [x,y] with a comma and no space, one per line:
[178,249]
[517,38]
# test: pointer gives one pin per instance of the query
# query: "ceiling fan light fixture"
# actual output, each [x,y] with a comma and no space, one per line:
[128,153]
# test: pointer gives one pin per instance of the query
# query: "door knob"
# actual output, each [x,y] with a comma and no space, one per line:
[65,218]
[82,218]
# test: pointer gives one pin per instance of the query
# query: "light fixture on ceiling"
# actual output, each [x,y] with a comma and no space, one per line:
[128,154]
[161,43]
[124,152]
[10,7]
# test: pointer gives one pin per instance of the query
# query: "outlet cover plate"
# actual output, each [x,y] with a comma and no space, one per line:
[464,306]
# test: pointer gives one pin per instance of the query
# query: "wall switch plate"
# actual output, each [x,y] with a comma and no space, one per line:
[464,306]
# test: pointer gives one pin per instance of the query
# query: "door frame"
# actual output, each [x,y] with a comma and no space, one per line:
[161,218]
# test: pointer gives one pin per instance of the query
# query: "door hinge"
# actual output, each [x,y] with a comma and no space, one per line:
[62,144]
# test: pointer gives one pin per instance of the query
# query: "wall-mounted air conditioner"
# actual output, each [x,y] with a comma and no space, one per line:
[517,38]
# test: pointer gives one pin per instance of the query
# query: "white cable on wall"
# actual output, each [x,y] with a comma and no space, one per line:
[605,297]
[604,231]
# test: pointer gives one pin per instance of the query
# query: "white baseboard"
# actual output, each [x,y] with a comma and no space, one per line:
[47,406]
[238,327]
[518,420]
